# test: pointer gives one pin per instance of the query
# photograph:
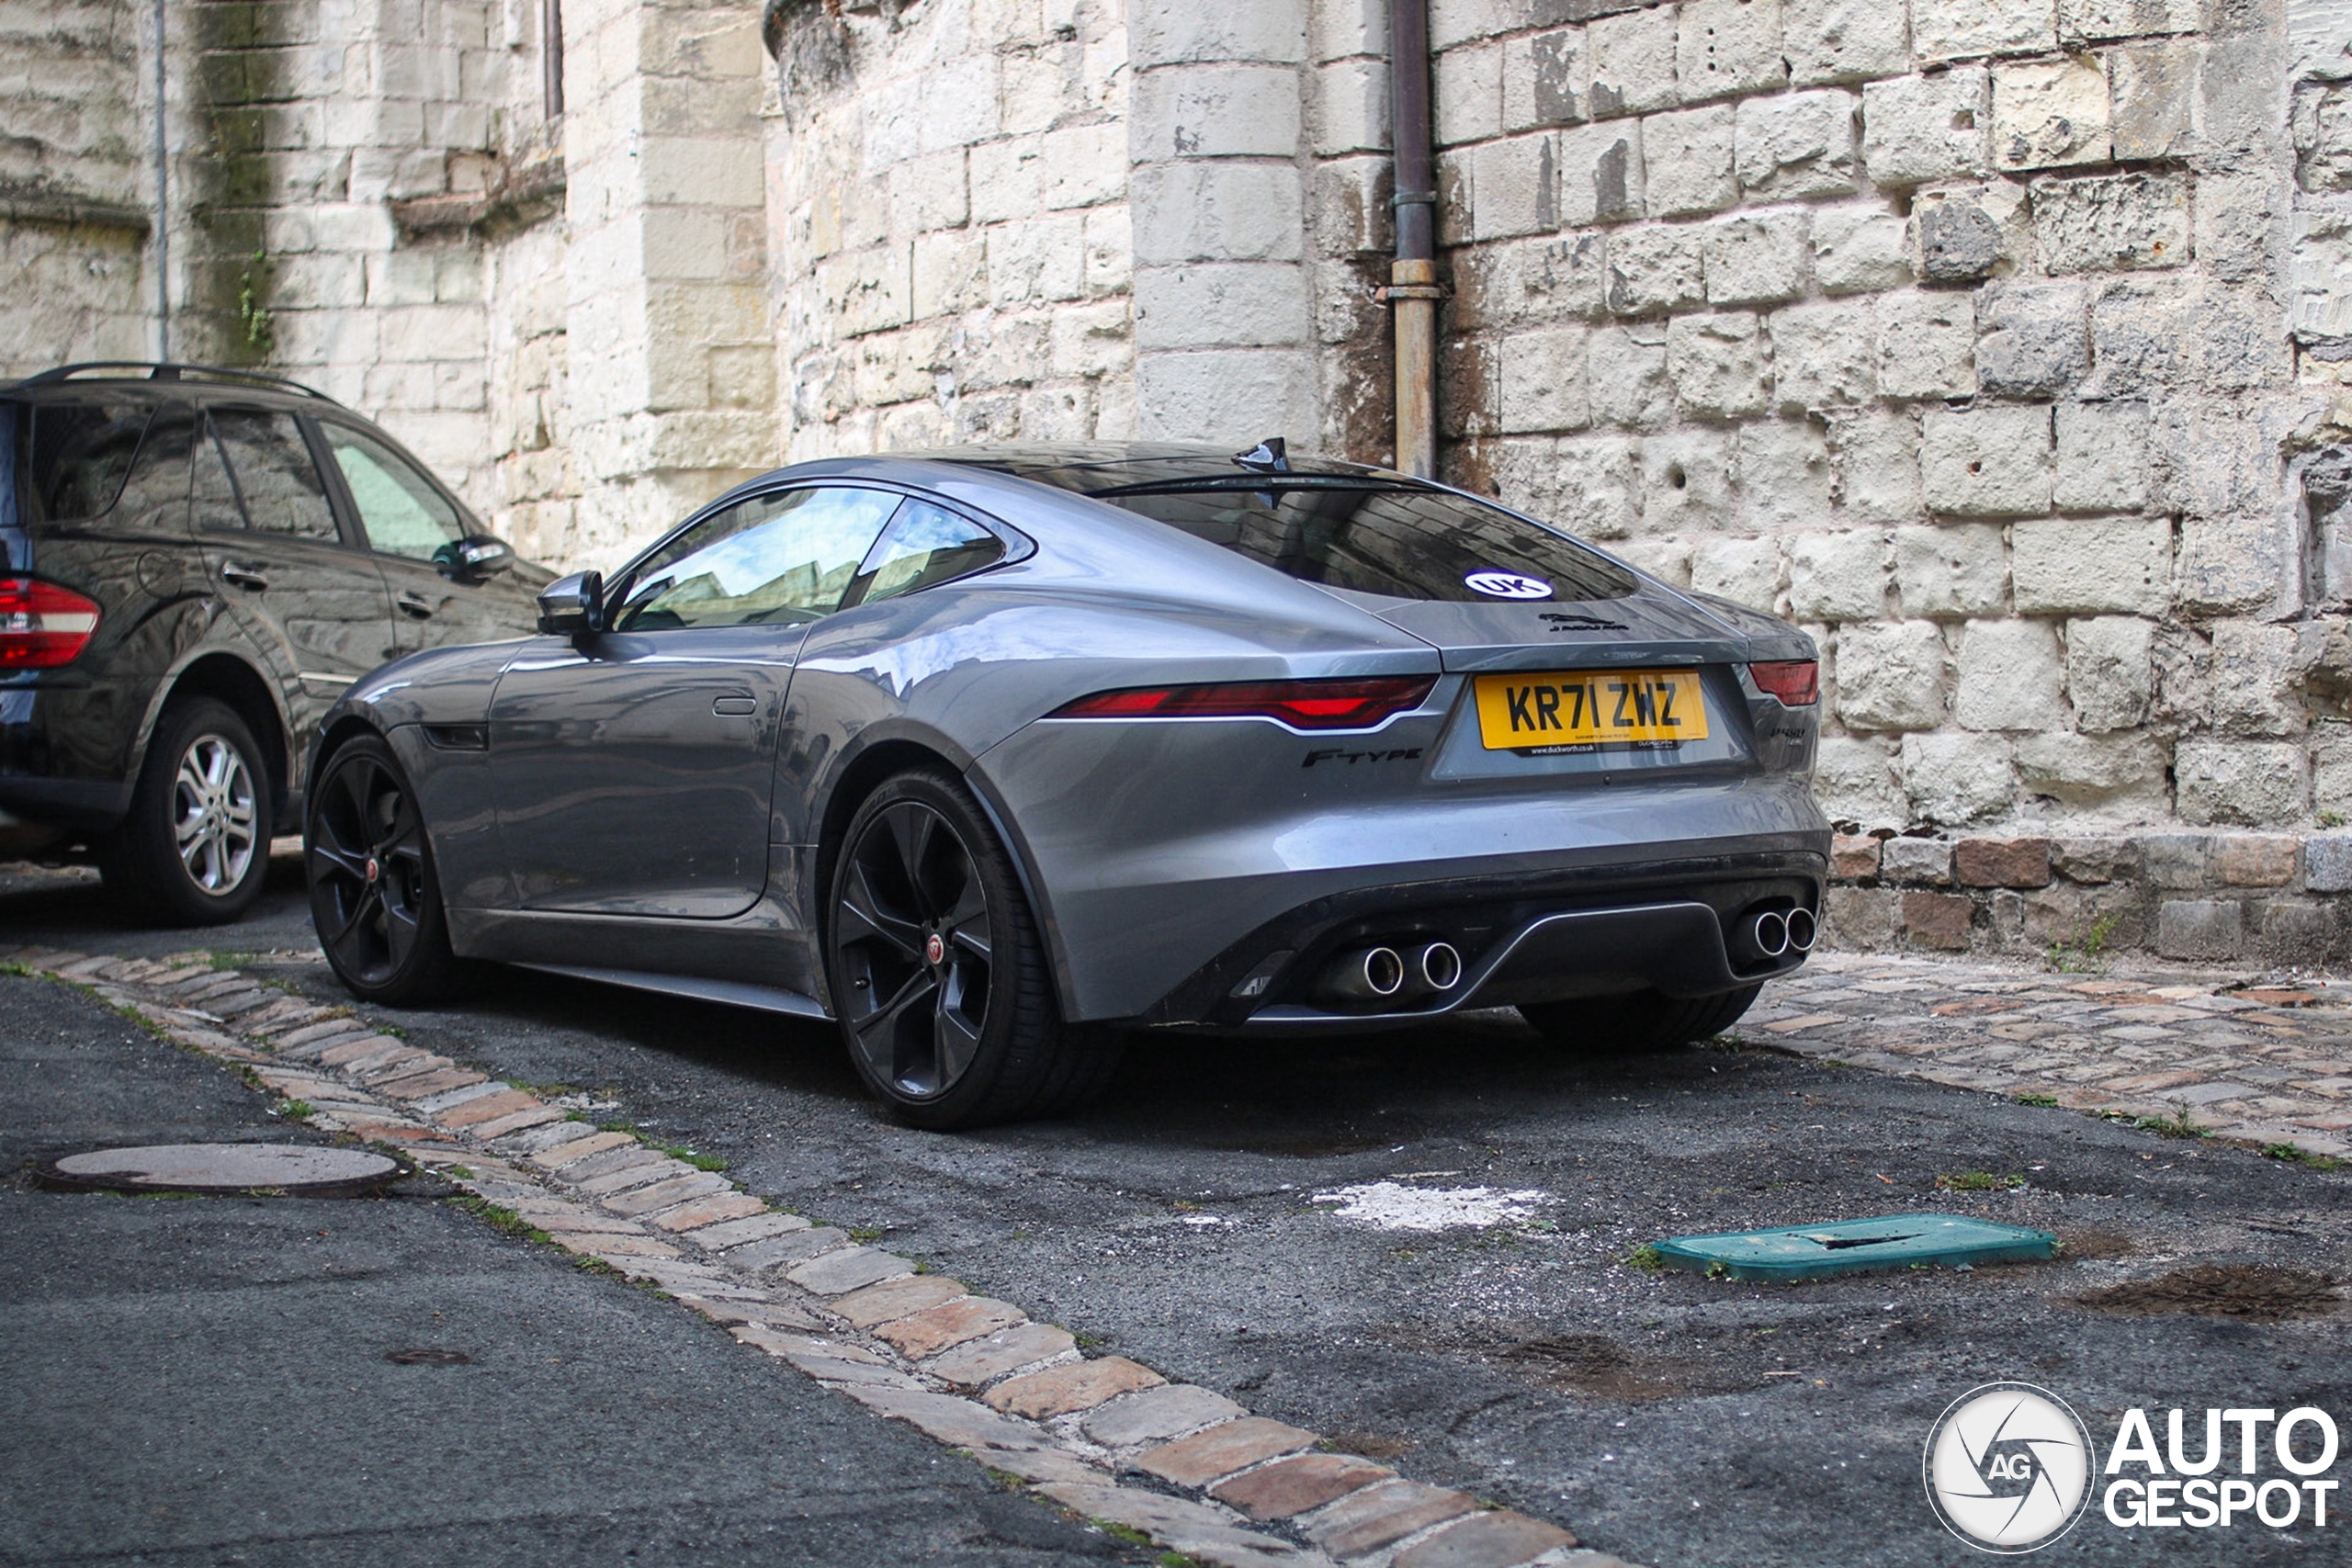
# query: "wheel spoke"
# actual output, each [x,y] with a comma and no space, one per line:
[877,1033]
[863,914]
[956,1038]
[910,831]
[371,895]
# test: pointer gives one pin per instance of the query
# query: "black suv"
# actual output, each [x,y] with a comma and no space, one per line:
[197,563]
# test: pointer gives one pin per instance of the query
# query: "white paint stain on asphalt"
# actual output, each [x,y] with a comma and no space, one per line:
[1389,1206]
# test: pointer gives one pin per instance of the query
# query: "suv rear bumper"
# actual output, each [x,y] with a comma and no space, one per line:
[89,804]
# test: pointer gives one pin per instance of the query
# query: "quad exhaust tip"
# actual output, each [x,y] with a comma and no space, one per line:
[1440,966]
[1802,928]
[1367,975]
[1770,931]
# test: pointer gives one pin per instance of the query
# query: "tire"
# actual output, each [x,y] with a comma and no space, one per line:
[940,981]
[375,892]
[1646,1021]
[195,849]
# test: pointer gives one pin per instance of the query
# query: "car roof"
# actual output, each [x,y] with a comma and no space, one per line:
[202,382]
[1100,467]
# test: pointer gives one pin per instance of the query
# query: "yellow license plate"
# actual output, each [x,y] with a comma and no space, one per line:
[1585,709]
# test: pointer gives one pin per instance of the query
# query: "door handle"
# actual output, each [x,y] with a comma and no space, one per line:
[735,707]
[414,604]
[243,576]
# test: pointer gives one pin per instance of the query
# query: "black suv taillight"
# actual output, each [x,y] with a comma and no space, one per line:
[41,624]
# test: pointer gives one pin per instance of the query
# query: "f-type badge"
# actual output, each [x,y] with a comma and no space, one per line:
[1507,585]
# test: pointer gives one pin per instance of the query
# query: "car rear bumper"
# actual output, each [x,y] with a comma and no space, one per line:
[1668,925]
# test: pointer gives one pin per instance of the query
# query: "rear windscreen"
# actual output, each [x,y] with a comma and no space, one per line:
[1374,538]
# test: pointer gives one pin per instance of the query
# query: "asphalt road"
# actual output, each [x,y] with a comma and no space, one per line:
[1671,1419]
[205,1381]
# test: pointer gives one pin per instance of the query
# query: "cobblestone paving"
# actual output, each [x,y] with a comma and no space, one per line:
[1105,1436]
[2264,1064]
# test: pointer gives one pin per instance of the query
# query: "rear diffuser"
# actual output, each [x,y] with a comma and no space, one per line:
[1858,1246]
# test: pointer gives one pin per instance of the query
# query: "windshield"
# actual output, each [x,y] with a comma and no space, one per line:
[1400,542]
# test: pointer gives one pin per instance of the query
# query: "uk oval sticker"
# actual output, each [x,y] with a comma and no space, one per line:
[1507,585]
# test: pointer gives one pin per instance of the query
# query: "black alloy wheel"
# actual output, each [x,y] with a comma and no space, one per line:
[375,897]
[939,977]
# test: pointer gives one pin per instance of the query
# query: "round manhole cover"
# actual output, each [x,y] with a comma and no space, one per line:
[303,1170]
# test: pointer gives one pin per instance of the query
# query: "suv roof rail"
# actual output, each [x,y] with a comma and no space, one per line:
[169,372]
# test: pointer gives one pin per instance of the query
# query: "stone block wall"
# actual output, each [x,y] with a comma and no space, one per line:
[2077,898]
[75,202]
[949,221]
[1959,332]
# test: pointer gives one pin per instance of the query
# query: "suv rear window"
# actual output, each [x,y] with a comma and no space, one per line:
[1399,541]
[73,456]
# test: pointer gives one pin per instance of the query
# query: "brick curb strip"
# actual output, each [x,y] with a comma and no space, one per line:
[970,1372]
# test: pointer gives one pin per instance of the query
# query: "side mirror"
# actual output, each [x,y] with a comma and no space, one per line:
[571,605]
[475,557]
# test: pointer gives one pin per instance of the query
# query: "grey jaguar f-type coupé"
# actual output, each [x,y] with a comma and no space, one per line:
[993,755]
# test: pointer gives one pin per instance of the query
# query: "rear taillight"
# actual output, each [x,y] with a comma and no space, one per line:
[1302,704]
[1796,681]
[41,624]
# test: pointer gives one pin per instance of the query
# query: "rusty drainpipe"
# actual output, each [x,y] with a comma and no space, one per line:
[1413,291]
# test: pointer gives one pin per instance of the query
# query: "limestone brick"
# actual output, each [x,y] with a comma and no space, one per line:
[1746,571]
[1219,211]
[1688,156]
[1968,29]
[1860,250]
[2158,100]
[1687,478]
[1718,363]
[1917,129]
[1969,233]
[1891,675]
[1654,267]
[1823,356]
[2112,222]
[2096,21]
[1601,174]
[1627,375]
[950,272]
[2253,678]
[1876,453]
[1842,41]
[1082,165]
[1169,32]
[1955,778]
[1758,258]
[1853,777]
[2093,772]
[1837,577]
[1785,474]
[1543,382]
[1794,145]
[1202,395]
[2090,564]
[1633,61]
[2109,671]
[1351,107]
[2034,339]
[1926,344]
[2009,676]
[1547,80]
[1953,571]
[1595,487]
[1037,259]
[1986,461]
[1208,304]
[2049,113]
[2102,456]
[2248,783]
[1466,94]
[1722,47]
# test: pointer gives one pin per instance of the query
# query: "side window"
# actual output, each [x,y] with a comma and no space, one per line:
[402,513]
[79,453]
[270,464]
[925,544]
[771,561]
[154,498]
[212,495]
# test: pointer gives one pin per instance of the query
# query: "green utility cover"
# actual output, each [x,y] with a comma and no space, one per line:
[1858,1246]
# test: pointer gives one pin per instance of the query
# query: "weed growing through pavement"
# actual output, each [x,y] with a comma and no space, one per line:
[2040,1101]
[293,1110]
[864,1233]
[2331,819]
[2087,954]
[1647,1258]
[678,1152]
[1979,1181]
[2176,1126]
[2293,1156]
[502,1218]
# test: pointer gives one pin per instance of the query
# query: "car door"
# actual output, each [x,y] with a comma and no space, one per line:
[413,530]
[635,767]
[301,591]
